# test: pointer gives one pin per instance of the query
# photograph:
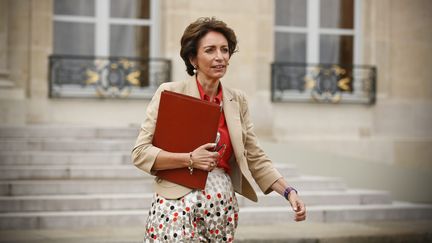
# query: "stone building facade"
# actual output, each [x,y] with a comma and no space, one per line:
[395,38]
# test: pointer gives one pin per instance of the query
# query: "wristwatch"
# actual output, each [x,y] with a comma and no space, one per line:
[288,190]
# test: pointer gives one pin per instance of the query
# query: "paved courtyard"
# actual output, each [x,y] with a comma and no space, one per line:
[396,231]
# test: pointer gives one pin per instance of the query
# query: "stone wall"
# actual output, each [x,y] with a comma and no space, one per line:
[398,42]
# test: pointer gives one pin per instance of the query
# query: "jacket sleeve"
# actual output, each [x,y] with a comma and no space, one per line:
[144,153]
[260,166]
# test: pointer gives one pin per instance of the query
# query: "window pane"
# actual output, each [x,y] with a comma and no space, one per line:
[73,38]
[129,40]
[291,12]
[290,47]
[75,7]
[135,9]
[337,14]
[336,49]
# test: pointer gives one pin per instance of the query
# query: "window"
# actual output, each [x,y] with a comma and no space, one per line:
[126,28]
[317,53]
[317,31]
[106,48]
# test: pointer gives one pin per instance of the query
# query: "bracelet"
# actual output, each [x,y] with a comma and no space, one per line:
[288,190]
[190,167]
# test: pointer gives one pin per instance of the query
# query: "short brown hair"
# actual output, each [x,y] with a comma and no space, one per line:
[197,30]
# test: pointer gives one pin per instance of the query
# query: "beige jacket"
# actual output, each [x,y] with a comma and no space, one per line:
[249,161]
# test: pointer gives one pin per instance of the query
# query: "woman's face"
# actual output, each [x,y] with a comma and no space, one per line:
[212,56]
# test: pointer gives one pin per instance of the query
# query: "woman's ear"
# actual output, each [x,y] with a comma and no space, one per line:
[192,61]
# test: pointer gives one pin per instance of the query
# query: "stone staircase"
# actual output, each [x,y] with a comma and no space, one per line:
[54,177]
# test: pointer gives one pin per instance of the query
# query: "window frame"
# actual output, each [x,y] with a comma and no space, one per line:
[312,30]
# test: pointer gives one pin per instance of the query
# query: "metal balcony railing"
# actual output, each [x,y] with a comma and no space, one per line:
[106,77]
[323,83]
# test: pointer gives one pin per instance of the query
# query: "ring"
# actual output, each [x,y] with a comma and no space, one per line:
[212,164]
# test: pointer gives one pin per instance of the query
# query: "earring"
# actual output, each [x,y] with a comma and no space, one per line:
[194,70]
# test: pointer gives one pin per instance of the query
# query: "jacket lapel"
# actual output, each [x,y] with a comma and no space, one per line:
[232,116]
[192,88]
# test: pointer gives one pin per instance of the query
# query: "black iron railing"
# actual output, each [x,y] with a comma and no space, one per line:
[106,77]
[324,83]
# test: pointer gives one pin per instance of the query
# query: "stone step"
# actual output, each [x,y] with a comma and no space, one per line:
[81,132]
[78,145]
[287,232]
[323,197]
[340,213]
[313,183]
[143,201]
[247,216]
[27,172]
[64,158]
[64,187]
[36,172]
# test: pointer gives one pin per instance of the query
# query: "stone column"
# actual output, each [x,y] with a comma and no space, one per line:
[41,36]
[14,31]
[25,44]
[40,47]
[4,70]
[18,42]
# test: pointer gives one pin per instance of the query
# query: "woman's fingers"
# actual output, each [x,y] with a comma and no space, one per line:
[206,162]
[300,212]
[298,208]
[208,146]
[206,150]
[300,218]
[204,158]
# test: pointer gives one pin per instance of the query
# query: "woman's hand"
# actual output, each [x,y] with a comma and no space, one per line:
[298,206]
[296,203]
[204,159]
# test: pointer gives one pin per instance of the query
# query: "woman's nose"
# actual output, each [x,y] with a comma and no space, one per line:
[218,55]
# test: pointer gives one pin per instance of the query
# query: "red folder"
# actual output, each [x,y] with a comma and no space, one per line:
[183,124]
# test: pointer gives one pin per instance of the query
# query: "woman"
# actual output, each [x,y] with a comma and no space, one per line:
[182,214]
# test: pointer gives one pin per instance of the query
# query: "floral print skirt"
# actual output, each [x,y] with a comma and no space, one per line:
[209,215]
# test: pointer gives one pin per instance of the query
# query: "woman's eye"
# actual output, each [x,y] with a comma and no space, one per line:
[224,50]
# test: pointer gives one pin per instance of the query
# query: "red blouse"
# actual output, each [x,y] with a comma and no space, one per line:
[225,154]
